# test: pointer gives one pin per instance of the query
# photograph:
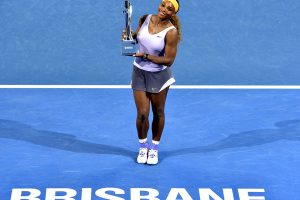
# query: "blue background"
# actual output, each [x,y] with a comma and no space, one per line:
[87,138]
[78,42]
[76,138]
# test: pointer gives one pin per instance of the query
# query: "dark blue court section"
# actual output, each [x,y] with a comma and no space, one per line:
[78,42]
[213,139]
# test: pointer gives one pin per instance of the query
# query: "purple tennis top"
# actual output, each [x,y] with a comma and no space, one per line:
[152,44]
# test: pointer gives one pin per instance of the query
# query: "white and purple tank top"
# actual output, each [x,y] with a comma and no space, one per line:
[152,44]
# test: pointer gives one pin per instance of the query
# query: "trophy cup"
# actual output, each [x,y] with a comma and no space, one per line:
[128,43]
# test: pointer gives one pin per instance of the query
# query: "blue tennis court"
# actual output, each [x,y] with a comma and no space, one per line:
[86,138]
[80,143]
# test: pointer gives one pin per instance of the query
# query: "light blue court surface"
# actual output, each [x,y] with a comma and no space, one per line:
[237,42]
[86,138]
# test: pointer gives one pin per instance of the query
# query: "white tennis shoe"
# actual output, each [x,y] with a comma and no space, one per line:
[142,157]
[152,157]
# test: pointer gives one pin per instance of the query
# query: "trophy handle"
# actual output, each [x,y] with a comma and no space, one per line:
[128,13]
[129,47]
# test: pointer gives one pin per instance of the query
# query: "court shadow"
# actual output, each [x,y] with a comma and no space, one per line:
[18,131]
[283,130]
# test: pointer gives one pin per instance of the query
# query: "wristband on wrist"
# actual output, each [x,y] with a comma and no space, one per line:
[145,56]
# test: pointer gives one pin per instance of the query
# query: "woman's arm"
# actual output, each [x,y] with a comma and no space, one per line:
[170,50]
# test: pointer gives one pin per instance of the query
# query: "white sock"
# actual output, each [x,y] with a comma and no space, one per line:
[155,142]
[143,140]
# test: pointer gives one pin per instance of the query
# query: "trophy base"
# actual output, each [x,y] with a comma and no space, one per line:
[129,47]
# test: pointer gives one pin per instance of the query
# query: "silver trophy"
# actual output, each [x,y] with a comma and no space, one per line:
[128,43]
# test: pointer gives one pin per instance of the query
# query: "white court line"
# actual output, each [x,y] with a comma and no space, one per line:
[128,86]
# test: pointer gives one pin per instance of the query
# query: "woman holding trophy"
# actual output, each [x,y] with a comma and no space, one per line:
[157,37]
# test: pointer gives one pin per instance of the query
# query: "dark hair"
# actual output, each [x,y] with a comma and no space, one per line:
[178,6]
[175,21]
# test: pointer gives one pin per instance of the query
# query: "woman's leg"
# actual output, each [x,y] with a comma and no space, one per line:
[158,108]
[142,102]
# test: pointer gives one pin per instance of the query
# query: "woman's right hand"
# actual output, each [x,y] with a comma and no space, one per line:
[123,37]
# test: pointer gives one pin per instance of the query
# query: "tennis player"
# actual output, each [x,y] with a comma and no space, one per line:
[157,36]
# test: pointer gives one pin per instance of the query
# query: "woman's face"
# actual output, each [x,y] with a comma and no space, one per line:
[165,10]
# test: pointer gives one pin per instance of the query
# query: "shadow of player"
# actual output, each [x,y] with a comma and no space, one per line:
[284,130]
[18,131]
